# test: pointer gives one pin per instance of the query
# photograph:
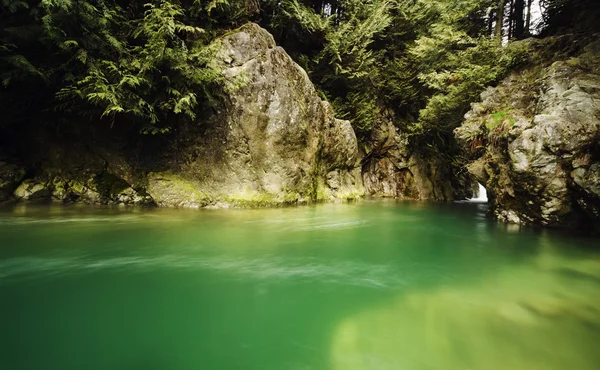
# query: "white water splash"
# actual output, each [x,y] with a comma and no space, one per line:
[482,198]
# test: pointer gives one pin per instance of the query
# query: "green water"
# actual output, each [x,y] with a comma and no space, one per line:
[373,285]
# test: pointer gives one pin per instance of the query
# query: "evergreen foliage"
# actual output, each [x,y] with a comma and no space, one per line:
[570,15]
[425,60]
[147,64]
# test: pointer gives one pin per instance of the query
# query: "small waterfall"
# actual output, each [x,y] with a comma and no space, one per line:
[482,197]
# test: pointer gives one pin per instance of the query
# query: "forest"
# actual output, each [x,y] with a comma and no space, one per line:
[146,65]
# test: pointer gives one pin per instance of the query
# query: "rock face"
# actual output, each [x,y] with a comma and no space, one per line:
[535,141]
[274,141]
[391,170]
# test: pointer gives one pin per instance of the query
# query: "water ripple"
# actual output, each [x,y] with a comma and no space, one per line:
[8,221]
[272,268]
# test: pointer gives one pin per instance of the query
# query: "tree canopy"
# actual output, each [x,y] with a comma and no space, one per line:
[147,64]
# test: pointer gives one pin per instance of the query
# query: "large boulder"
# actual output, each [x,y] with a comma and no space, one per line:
[273,142]
[535,143]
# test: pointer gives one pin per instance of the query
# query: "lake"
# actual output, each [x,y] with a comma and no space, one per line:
[378,284]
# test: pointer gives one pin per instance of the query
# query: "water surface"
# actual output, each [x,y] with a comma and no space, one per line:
[372,285]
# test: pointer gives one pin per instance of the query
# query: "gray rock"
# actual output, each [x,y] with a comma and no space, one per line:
[543,166]
[32,190]
[274,142]
[65,189]
[392,170]
[169,190]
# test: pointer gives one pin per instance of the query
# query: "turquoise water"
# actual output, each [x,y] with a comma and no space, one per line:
[370,285]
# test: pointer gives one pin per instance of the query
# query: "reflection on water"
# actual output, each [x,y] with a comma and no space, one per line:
[518,318]
[372,285]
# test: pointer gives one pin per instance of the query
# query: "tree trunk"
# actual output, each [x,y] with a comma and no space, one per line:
[490,21]
[528,20]
[511,19]
[499,19]
[518,19]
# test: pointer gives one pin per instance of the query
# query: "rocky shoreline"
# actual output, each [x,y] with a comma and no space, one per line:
[533,142]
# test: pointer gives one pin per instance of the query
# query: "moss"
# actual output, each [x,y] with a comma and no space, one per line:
[235,83]
[350,194]
[246,27]
[496,119]
[76,187]
[291,198]
[322,191]
[171,190]
[253,30]
[251,199]
[31,189]
[109,185]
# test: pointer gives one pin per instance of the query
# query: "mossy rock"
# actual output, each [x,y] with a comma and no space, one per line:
[32,190]
[10,176]
[170,190]
[109,185]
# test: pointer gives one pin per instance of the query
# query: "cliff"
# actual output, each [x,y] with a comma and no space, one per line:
[392,169]
[534,141]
